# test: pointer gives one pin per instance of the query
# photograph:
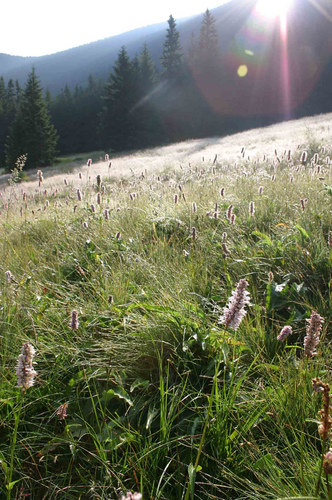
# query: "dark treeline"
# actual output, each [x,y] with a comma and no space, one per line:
[191,94]
[139,105]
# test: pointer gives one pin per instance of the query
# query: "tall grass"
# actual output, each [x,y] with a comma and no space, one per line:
[162,399]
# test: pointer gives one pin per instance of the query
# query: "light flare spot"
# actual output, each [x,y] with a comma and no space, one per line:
[242,70]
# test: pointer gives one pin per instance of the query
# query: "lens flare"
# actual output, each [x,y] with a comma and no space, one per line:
[270,9]
[242,70]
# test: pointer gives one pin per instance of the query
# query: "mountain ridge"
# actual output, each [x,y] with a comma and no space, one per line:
[312,30]
[97,58]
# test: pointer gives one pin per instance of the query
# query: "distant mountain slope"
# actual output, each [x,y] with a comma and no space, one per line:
[72,67]
[308,49]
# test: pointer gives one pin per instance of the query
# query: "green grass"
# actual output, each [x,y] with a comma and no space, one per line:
[161,398]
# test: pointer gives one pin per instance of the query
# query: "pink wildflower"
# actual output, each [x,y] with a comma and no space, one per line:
[24,369]
[285,332]
[235,311]
[311,340]
[132,496]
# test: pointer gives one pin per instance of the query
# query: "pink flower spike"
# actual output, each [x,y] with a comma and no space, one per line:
[235,311]
[285,332]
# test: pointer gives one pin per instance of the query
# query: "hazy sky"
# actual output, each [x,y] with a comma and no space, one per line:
[38,27]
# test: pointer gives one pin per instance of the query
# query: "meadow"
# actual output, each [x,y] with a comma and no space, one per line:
[116,278]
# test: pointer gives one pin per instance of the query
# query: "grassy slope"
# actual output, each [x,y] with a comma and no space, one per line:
[150,367]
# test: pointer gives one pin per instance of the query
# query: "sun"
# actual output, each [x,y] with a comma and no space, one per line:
[271,9]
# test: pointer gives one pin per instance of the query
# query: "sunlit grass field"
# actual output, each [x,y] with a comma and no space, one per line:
[151,393]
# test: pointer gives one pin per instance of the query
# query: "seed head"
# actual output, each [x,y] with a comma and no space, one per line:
[9,277]
[325,419]
[251,208]
[304,156]
[225,251]
[74,320]
[229,212]
[62,411]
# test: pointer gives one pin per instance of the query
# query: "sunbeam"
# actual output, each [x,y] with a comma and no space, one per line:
[271,9]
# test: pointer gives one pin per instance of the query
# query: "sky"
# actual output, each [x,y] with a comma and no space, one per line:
[40,27]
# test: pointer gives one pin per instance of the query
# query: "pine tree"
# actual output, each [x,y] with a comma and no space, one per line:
[171,59]
[18,89]
[31,132]
[118,122]
[147,108]
[208,36]
[148,73]
[2,94]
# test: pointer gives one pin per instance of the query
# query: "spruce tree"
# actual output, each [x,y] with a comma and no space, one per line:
[148,117]
[171,59]
[208,36]
[119,124]
[31,132]
[2,94]
[148,73]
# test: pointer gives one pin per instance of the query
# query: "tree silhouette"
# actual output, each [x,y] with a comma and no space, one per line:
[119,116]
[31,132]
[171,59]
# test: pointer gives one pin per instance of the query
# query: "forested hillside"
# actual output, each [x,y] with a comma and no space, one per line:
[219,73]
